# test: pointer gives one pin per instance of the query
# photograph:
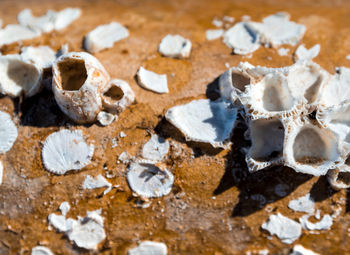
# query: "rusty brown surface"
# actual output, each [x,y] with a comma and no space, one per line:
[209,211]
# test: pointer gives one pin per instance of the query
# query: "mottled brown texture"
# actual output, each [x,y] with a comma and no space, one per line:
[213,207]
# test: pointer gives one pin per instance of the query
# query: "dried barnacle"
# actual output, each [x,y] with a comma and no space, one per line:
[116,96]
[8,132]
[267,136]
[66,150]
[18,76]
[14,33]
[175,46]
[152,81]
[205,121]
[311,149]
[242,38]
[272,97]
[78,80]
[104,37]
[147,180]
[149,247]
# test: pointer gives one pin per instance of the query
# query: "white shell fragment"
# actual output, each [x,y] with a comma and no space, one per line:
[64,208]
[300,250]
[66,150]
[59,222]
[149,248]
[104,37]
[78,81]
[175,46]
[324,224]
[307,54]
[41,250]
[18,76]
[213,34]
[147,180]
[105,118]
[303,204]
[8,132]
[96,183]
[283,51]
[152,81]
[284,228]
[204,121]
[242,38]
[116,96]
[15,33]
[52,20]
[41,56]
[155,149]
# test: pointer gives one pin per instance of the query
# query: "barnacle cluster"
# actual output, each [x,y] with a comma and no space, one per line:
[297,116]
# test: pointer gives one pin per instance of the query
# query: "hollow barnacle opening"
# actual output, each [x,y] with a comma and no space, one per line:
[267,136]
[73,73]
[114,93]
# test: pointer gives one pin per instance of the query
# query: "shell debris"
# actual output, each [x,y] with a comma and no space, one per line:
[303,204]
[149,247]
[96,183]
[284,228]
[155,149]
[300,250]
[64,208]
[213,34]
[41,250]
[66,150]
[283,51]
[8,132]
[105,118]
[104,37]
[302,53]
[175,46]
[15,33]
[152,81]
[324,224]
[204,121]
[41,56]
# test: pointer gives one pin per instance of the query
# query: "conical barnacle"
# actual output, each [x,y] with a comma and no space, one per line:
[309,148]
[307,80]
[272,97]
[116,96]
[147,180]
[204,121]
[78,80]
[242,38]
[267,137]
[66,150]
[8,132]
[337,89]
[232,82]
[18,76]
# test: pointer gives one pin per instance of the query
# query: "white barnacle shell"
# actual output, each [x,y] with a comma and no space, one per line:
[232,82]
[41,250]
[242,38]
[149,247]
[116,96]
[152,81]
[205,121]
[276,29]
[147,180]
[15,33]
[66,150]
[272,97]
[311,149]
[78,79]
[339,179]
[307,80]
[8,132]
[104,37]
[267,137]
[18,76]
[175,46]
[41,56]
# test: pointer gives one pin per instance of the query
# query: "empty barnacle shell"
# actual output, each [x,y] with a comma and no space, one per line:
[78,80]
[175,46]
[205,121]
[311,149]
[272,97]
[66,150]
[104,37]
[307,80]
[14,33]
[18,76]
[8,132]
[147,180]
[267,137]
[242,38]
[116,96]
[339,179]
[232,82]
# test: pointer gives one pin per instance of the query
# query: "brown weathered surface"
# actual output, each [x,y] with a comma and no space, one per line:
[208,211]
